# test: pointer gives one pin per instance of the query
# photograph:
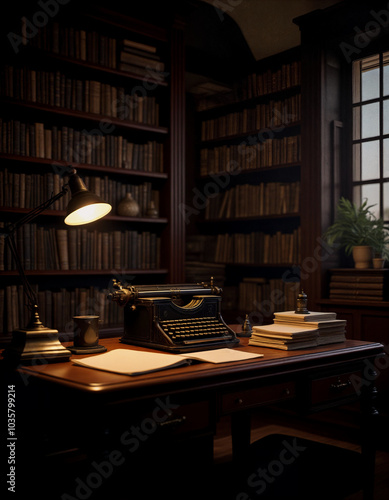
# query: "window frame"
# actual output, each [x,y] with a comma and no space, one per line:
[356,129]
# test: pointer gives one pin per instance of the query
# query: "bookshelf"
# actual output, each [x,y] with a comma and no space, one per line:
[103,92]
[249,155]
[327,167]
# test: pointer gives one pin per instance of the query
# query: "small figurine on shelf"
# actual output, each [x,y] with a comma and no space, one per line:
[247,329]
[151,211]
[128,207]
[302,301]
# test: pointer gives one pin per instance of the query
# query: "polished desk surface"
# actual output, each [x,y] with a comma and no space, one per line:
[199,374]
[88,401]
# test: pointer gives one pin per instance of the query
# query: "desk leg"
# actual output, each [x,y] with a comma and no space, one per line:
[240,433]
[369,440]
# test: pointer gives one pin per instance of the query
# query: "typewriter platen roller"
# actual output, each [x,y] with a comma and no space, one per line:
[175,318]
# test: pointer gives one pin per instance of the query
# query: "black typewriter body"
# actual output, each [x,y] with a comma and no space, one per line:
[168,321]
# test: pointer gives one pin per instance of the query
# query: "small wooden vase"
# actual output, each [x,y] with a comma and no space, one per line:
[128,207]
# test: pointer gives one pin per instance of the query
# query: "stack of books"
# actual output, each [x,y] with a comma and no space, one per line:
[141,59]
[298,331]
[359,284]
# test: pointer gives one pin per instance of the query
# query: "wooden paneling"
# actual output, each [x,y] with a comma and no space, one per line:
[176,230]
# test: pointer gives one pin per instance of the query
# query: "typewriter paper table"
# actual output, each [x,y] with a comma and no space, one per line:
[94,430]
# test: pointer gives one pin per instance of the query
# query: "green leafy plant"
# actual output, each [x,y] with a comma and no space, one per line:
[380,240]
[356,226]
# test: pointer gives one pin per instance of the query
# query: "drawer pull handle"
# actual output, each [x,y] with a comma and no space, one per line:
[239,401]
[339,385]
[173,422]
[286,392]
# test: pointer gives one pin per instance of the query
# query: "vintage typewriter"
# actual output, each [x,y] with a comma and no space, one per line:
[175,318]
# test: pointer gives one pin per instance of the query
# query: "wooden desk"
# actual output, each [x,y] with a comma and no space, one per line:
[69,411]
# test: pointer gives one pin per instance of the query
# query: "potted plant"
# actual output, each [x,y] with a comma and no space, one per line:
[380,244]
[355,230]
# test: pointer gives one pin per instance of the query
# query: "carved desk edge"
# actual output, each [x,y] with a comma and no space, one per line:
[201,375]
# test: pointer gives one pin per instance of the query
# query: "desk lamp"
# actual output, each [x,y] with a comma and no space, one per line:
[37,343]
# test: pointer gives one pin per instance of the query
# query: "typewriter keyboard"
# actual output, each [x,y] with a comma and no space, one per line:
[195,330]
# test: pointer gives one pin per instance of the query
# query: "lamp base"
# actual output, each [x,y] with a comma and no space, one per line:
[87,350]
[42,343]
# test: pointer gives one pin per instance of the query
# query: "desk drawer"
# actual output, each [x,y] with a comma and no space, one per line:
[188,418]
[334,388]
[165,414]
[250,398]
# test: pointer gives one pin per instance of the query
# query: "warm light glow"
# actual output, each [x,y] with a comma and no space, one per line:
[88,214]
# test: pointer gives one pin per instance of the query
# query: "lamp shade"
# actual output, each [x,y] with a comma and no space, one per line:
[84,206]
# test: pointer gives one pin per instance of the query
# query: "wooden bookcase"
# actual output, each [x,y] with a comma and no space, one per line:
[249,169]
[68,99]
[327,165]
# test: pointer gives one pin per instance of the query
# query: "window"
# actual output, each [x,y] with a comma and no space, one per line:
[371,132]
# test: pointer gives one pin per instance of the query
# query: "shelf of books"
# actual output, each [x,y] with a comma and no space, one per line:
[92,92]
[249,171]
[360,285]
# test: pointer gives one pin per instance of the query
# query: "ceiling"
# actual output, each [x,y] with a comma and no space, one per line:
[223,38]
[267,25]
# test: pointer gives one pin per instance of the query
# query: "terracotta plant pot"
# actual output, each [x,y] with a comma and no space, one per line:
[378,262]
[362,256]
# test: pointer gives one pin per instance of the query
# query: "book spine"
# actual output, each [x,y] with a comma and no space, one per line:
[73,145]
[101,99]
[255,85]
[268,153]
[56,308]
[42,248]
[82,44]
[250,200]
[258,248]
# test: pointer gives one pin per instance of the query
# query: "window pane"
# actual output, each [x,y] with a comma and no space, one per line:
[370,126]
[386,201]
[372,193]
[386,73]
[370,78]
[370,120]
[370,160]
[386,117]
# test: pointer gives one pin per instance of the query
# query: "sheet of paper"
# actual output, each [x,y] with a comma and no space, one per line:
[223,355]
[131,362]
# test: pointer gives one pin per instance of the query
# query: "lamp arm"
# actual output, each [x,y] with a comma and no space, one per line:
[12,228]
[9,232]
[27,289]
